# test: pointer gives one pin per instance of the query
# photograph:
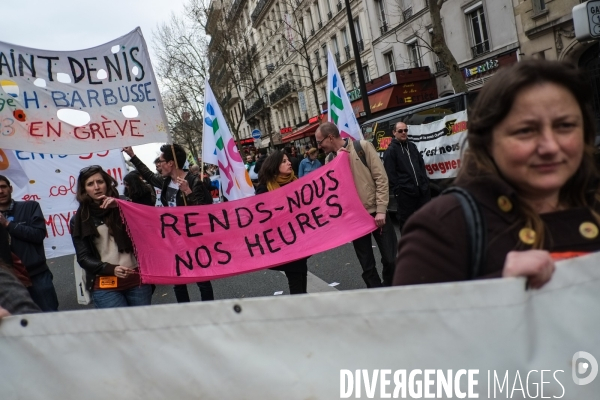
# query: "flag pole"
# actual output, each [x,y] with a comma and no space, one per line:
[176,168]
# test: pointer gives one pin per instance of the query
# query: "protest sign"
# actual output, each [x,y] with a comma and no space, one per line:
[440,143]
[51,180]
[197,243]
[492,338]
[71,102]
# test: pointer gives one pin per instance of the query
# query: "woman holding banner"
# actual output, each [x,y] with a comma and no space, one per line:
[276,171]
[102,244]
[530,191]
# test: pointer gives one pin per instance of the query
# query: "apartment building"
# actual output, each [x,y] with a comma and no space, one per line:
[545,29]
[289,41]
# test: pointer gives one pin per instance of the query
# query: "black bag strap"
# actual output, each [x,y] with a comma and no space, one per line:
[476,229]
[360,152]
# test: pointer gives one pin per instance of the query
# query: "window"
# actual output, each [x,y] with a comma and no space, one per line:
[318,63]
[388,59]
[353,80]
[336,50]
[381,15]
[539,6]
[414,54]
[324,48]
[366,73]
[345,42]
[479,35]
[359,39]
[320,23]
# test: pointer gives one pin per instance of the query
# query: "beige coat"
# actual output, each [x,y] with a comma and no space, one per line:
[371,183]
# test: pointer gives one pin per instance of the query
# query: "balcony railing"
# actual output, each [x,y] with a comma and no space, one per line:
[320,24]
[406,14]
[281,92]
[234,9]
[270,68]
[383,28]
[255,108]
[361,45]
[312,32]
[339,6]
[440,66]
[347,50]
[480,48]
[337,59]
[258,9]
[329,15]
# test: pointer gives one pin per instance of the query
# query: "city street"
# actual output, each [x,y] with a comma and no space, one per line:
[337,265]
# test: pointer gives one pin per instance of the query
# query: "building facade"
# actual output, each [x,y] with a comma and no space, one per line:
[287,42]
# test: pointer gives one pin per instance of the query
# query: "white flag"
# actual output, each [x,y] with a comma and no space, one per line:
[338,104]
[218,148]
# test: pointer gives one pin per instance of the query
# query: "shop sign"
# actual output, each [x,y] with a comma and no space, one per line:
[480,69]
[287,129]
[313,119]
[246,141]
[354,94]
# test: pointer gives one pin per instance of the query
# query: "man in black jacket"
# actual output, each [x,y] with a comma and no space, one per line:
[26,226]
[406,172]
[175,183]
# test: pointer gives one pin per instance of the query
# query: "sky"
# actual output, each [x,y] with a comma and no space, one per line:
[81,24]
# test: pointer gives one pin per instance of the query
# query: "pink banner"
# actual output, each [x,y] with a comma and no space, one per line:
[197,243]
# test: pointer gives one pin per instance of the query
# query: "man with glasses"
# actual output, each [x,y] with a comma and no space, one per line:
[372,186]
[26,227]
[406,170]
[178,188]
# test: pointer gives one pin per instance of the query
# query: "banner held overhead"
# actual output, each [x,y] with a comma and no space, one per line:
[74,102]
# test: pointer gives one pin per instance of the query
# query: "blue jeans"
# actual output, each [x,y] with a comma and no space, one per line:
[42,291]
[137,296]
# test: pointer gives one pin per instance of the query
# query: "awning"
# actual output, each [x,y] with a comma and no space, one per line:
[379,101]
[306,131]
[265,142]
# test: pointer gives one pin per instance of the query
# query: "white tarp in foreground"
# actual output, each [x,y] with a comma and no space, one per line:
[297,347]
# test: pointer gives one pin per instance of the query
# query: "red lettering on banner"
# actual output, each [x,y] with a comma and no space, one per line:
[88,156]
[59,224]
[63,190]
[115,173]
[33,128]
[28,197]
[442,166]
[103,130]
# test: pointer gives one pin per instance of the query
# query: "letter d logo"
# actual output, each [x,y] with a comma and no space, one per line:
[581,367]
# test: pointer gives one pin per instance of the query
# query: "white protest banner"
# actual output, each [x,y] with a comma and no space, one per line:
[71,102]
[52,181]
[482,339]
[440,143]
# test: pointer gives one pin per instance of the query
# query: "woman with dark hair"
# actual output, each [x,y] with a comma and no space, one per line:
[103,247]
[276,171]
[137,191]
[529,168]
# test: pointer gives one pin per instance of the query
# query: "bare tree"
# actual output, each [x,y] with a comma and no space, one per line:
[441,49]
[180,46]
[288,27]
[436,42]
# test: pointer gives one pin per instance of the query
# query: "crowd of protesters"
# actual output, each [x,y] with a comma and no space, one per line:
[528,179]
